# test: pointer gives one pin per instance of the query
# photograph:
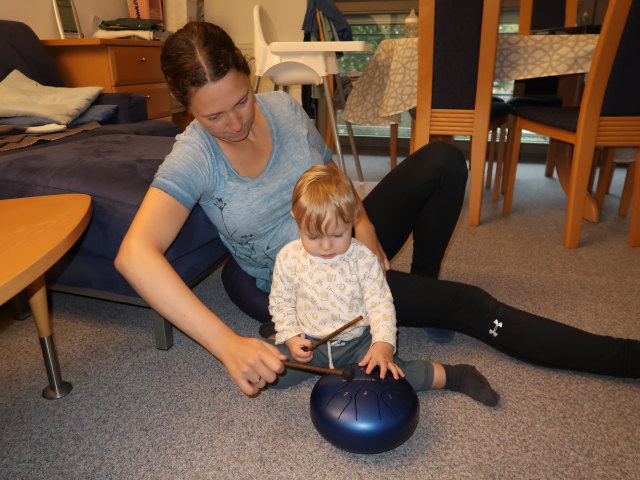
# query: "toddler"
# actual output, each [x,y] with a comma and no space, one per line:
[326,278]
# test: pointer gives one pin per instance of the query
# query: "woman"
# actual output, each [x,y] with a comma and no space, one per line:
[240,159]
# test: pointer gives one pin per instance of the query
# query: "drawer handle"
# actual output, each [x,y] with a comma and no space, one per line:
[143,59]
[147,96]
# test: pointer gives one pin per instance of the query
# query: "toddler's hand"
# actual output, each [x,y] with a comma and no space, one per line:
[295,344]
[381,355]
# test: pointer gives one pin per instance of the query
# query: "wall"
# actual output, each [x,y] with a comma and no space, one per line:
[235,17]
[38,14]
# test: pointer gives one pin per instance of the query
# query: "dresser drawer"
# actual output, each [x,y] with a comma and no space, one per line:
[135,65]
[157,96]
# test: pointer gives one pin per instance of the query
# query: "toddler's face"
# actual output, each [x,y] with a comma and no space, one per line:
[335,239]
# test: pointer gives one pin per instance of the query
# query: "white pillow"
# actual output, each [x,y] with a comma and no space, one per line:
[21,96]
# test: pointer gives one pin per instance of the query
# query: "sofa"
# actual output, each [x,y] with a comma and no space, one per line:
[114,164]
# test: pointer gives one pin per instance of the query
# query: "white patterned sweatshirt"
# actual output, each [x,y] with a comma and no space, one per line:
[316,296]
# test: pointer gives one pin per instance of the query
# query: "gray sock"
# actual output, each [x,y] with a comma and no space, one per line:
[468,380]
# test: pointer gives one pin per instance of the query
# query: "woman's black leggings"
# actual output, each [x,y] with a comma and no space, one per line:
[423,196]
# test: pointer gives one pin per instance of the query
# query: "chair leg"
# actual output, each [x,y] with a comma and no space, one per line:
[550,163]
[500,161]
[257,84]
[334,122]
[490,157]
[477,160]
[162,331]
[564,167]
[511,164]
[597,160]
[412,140]
[352,142]
[581,164]
[634,229]
[505,165]
[563,153]
[606,174]
[393,145]
[627,190]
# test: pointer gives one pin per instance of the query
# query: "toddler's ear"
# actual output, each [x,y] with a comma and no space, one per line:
[291,213]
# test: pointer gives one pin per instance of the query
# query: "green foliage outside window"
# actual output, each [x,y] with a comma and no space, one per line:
[376,28]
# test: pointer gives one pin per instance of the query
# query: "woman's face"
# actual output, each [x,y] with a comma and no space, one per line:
[225,108]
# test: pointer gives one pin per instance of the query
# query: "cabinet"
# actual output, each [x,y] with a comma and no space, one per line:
[117,65]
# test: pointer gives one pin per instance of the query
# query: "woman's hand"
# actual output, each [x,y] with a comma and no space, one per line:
[381,355]
[295,346]
[366,234]
[251,362]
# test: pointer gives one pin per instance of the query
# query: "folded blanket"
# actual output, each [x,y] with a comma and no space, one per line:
[12,137]
[95,113]
[20,96]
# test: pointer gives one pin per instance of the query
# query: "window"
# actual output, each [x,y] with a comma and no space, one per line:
[372,28]
[380,25]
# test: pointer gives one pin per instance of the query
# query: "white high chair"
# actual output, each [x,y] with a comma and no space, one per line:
[302,63]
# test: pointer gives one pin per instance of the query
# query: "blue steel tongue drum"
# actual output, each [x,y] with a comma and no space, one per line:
[366,414]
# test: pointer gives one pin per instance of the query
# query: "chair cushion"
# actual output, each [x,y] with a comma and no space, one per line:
[561,117]
[500,109]
[535,101]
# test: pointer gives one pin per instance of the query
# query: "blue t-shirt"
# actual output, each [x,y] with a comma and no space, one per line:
[251,214]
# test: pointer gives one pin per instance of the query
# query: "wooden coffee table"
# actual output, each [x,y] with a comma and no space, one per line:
[36,233]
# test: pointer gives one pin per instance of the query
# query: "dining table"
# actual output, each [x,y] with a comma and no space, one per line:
[389,83]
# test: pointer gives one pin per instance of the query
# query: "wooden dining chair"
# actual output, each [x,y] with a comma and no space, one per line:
[541,91]
[608,116]
[539,15]
[534,15]
[456,61]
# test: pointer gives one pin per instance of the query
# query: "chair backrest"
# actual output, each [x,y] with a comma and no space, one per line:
[21,49]
[291,68]
[540,14]
[456,61]
[261,53]
[543,14]
[611,87]
[622,96]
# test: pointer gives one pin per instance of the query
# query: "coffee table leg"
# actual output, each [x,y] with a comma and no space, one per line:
[37,294]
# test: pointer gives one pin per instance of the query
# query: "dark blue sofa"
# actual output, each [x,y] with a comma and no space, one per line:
[115,164]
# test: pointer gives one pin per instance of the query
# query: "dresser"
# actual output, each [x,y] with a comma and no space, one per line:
[117,65]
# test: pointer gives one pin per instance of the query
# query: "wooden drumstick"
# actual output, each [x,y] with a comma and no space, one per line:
[347,373]
[333,334]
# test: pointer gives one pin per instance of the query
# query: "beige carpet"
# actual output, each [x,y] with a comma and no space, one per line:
[139,413]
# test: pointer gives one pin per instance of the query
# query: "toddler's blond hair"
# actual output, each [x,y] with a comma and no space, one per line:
[323,192]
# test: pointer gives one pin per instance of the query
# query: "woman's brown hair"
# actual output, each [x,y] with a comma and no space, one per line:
[199,53]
